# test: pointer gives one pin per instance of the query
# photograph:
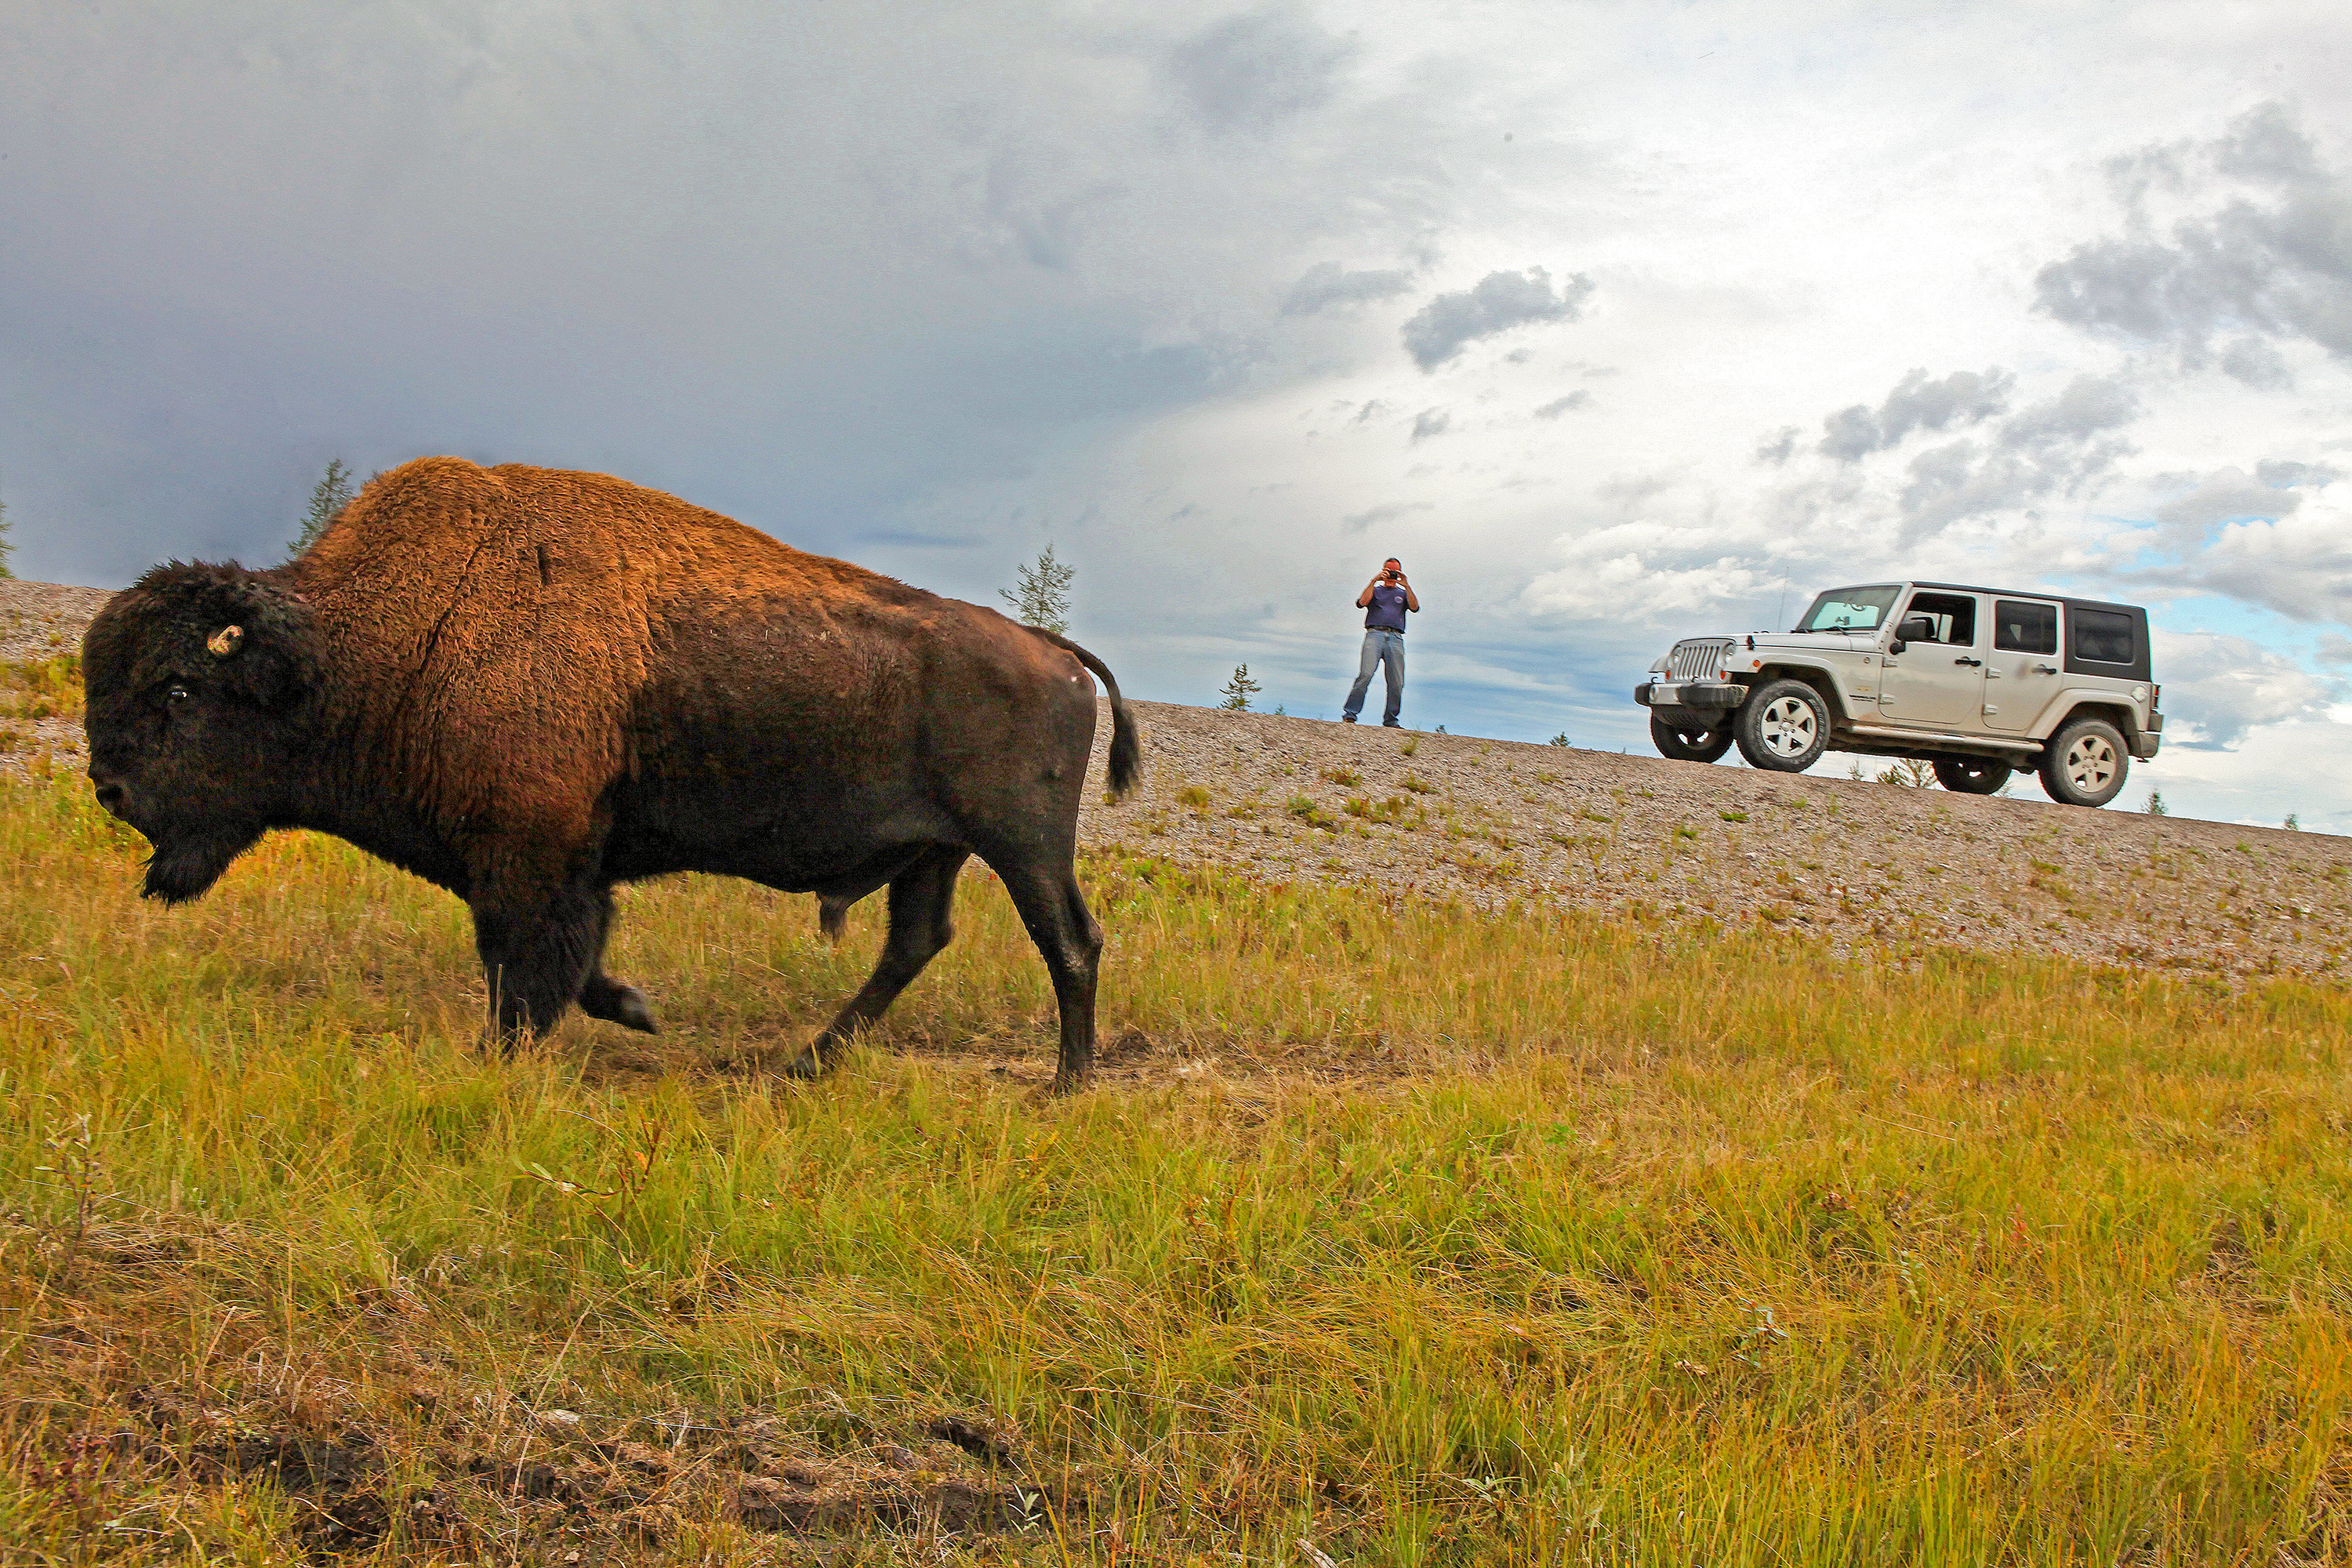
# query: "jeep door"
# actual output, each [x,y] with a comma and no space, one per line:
[1937,683]
[2021,669]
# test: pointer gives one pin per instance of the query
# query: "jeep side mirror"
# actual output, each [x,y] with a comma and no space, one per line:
[1911,629]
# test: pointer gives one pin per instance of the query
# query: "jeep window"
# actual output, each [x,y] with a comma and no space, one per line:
[1954,615]
[2019,627]
[1848,610]
[2103,637]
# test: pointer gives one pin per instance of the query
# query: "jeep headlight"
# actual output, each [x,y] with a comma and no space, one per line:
[1658,665]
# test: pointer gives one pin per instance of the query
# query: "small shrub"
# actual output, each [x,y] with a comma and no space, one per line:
[1732,816]
[1419,786]
[1347,777]
[1411,744]
[1193,795]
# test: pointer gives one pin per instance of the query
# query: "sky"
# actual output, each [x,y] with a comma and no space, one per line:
[1617,323]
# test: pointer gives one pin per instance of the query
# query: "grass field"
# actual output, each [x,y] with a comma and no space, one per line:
[1418,1234]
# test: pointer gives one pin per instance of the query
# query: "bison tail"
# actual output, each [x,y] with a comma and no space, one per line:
[1125,749]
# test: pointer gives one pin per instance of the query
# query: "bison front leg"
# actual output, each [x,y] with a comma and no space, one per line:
[536,952]
[601,995]
[922,897]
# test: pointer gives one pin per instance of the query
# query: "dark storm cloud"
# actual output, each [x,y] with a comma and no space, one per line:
[1449,323]
[2272,258]
[1329,285]
[1265,66]
[1962,398]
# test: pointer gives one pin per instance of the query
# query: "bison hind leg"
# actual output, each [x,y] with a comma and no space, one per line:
[1070,942]
[922,894]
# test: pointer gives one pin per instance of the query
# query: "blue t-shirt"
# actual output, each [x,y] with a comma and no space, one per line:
[1386,612]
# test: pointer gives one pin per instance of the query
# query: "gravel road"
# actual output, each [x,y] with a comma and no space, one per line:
[1491,822]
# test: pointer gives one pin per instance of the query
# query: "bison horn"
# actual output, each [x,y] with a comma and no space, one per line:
[225,641]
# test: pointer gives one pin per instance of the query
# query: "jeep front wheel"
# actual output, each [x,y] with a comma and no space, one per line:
[1685,744]
[1971,776]
[1783,727]
[2085,763]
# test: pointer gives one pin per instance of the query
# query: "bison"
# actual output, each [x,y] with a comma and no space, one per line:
[526,685]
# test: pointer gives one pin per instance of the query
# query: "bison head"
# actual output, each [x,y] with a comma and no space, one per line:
[202,685]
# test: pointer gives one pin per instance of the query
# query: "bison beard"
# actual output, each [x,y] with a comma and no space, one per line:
[186,865]
[528,686]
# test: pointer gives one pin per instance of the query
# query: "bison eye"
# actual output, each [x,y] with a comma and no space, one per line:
[176,694]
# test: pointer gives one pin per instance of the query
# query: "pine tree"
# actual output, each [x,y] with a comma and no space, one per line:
[1239,690]
[2155,804]
[1911,772]
[327,497]
[1043,599]
[6,548]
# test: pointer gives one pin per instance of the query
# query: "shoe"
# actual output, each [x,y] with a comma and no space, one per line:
[1391,724]
[1346,718]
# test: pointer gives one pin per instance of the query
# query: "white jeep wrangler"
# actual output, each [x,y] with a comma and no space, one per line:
[1973,680]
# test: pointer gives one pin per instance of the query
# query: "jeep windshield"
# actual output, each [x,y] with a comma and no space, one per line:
[1850,609]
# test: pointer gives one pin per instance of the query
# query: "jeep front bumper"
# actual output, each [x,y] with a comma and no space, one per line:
[1715,696]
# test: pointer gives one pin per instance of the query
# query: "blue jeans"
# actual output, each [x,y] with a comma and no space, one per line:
[1381,648]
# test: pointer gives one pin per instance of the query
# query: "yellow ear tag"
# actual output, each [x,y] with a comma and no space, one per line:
[225,641]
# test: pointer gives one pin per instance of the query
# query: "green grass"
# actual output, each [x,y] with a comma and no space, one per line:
[1429,1236]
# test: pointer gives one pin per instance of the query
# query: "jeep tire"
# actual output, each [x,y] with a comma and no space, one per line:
[1686,745]
[1782,728]
[2085,763]
[1972,775]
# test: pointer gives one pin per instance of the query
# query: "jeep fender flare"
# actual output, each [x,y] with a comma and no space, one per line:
[1820,678]
[2085,703]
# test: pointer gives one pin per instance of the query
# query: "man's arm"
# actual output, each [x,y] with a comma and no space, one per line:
[1364,599]
[1411,599]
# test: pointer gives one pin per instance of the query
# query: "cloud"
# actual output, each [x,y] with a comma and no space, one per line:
[1328,286]
[2269,257]
[1778,446]
[1430,422]
[1449,323]
[2053,447]
[1357,522]
[1962,398]
[2298,562]
[2258,363]
[1559,405]
[2217,687]
[1251,70]
[2228,496]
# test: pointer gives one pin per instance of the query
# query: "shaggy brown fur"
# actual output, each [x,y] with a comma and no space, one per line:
[527,685]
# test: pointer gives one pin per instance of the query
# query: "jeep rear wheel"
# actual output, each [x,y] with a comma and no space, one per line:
[1685,744]
[2085,763]
[1783,728]
[1972,775]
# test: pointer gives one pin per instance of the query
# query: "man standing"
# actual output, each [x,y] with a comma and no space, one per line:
[1385,601]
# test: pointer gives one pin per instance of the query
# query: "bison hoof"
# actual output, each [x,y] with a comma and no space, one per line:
[629,1011]
[1069,1082]
[809,1064]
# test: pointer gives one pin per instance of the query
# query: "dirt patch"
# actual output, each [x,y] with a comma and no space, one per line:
[387,1438]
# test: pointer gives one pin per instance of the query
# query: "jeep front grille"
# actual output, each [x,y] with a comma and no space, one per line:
[1698,660]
